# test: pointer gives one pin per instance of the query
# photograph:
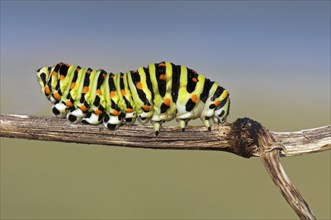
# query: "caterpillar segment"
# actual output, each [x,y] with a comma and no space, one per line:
[158,93]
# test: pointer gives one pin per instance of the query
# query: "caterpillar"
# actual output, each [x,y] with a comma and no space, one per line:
[158,93]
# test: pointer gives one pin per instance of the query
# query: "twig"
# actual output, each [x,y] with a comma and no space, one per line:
[221,138]
[269,150]
[243,137]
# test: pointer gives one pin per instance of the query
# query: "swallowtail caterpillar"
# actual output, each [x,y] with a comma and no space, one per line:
[158,93]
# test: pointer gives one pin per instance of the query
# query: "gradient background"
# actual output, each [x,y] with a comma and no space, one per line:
[273,57]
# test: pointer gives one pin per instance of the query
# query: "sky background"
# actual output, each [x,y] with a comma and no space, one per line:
[272,56]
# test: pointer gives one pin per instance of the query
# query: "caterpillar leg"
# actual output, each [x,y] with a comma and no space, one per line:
[216,120]
[144,117]
[112,122]
[130,118]
[75,115]
[143,120]
[157,125]
[59,109]
[183,123]
[206,122]
[92,118]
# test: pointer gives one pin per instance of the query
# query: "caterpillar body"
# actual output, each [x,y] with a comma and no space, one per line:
[158,93]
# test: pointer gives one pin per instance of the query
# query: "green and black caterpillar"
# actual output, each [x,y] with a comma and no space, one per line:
[159,92]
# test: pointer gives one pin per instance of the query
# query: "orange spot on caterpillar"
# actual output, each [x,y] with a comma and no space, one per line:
[161,64]
[72,85]
[78,68]
[162,77]
[167,102]
[217,103]
[85,89]
[123,92]
[194,80]
[139,85]
[62,77]
[129,110]
[67,65]
[116,113]
[53,73]
[83,108]
[147,108]
[68,103]
[194,98]
[57,96]
[104,75]
[98,111]
[47,90]
[112,94]
[99,92]
[88,71]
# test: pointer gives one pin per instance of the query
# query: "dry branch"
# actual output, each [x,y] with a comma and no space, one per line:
[244,137]
[221,138]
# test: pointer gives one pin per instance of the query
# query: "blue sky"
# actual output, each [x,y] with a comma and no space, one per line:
[260,50]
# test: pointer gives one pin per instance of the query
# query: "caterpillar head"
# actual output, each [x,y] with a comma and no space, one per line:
[43,76]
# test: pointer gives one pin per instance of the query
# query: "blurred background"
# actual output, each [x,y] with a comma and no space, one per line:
[273,57]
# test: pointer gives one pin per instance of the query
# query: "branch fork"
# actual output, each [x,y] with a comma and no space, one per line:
[269,150]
